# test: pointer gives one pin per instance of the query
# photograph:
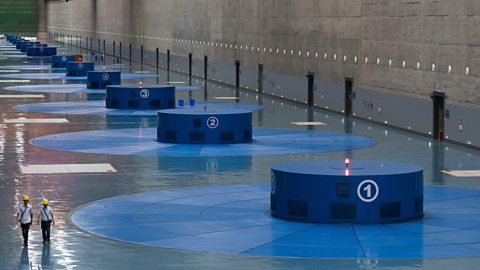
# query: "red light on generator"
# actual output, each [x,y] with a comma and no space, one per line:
[347,162]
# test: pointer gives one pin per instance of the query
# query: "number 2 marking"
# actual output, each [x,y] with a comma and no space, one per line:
[212,122]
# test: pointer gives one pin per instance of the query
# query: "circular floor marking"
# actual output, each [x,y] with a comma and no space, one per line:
[235,219]
[72,88]
[49,67]
[62,76]
[142,142]
[97,107]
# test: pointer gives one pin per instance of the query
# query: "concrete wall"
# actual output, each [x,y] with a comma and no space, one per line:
[400,47]
[427,32]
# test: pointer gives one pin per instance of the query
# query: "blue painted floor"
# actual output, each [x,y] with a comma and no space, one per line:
[48,67]
[62,76]
[142,142]
[73,88]
[75,248]
[97,107]
[235,219]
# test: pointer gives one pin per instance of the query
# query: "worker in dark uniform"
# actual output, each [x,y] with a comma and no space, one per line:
[25,217]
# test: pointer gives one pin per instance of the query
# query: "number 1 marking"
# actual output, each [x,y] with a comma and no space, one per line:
[368,189]
[372,192]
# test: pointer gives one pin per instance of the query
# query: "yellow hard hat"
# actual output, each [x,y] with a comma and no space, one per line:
[26,198]
[45,202]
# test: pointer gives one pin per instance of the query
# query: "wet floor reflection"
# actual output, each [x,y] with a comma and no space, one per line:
[24,259]
[260,112]
[205,164]
[46,259]
[438,162]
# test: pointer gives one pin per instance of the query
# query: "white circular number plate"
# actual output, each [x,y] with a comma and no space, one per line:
[212,122]
[144,93]
[105,76]
[368,190]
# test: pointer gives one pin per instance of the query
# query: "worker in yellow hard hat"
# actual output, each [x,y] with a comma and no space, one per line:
[25,217]
[47,219]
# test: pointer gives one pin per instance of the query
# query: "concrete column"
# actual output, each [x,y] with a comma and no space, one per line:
[42,20]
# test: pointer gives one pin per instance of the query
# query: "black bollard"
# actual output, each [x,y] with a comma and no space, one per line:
[310,93]
[260,78]
[237,80]
[348,97]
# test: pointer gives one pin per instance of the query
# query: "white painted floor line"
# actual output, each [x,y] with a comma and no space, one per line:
[176,82]
[9,70]
[142,72]
[35,121]
[226,98]
[309,123]
[14,81]
[22,96]
[463,173]
[67,168]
